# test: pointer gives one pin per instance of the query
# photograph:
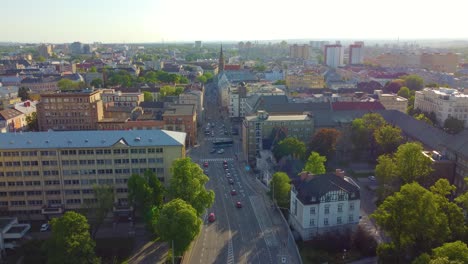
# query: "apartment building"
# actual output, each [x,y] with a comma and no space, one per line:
[269,129]
[444,102]
[120,99]
[334,55]
[183,118]
[392,101]
[45,173]
[441,62]
[12,120]
[194,97]
[356,53]
[299,51]
[305,79]
[324,203]
[238,97]
[70,110]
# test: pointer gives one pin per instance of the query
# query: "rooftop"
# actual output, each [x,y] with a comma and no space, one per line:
[180,109]
[281,118]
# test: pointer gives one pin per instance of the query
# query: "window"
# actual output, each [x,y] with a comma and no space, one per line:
[70,192]
[325,221]
[338,220]
[350,218]
[327,209]
[35,202]
[312,210]
[33,193]
[340,208]
[312,222]
[351,206]
[53,192]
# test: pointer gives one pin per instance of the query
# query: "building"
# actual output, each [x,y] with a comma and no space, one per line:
[238,97]
[299,51]
[40,84]
[45,173]
[70,110]
[183,118]
[356,54]
[10,232]
[122,100]
[324,203]
[261,131]
[8,96]
[194,97]
[76,48]
[221,61]
[440,62]
[305,80]
[392,101]
[444,102]
[12,120]
[198,44]
[45,50]
[333,55]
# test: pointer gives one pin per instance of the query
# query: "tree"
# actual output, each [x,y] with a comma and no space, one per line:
[373,121]
[96,83]
[394,86]
[201,79]
[289,146]
[188,183]
[453,125]
[178,223]
[411,163]
[67,84]
[93,69]
[388,138]
[315,163]
[166,91]
[423,117]
[280,82]
[385,171]
[40,59]
[413,220]
[70,242]
[23,93]
[148,96]
[324,142]
[280,187]
[359,134]
[145,193]
[454,251]
[414,82]
[97,211]
[404,92]
[31,120]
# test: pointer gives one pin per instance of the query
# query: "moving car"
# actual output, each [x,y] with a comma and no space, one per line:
[224,162]
[231,181]
[239,205]
[206,172]
[372,178]
[221,151]
[205,164]
[233,192]
[225,166]
[44,227]
[228,175]
[211,217]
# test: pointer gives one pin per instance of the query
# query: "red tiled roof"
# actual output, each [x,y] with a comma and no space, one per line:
[345,106]
[232,67]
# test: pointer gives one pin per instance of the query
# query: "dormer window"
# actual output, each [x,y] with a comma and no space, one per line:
[313,199]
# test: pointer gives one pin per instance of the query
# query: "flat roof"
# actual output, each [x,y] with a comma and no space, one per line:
[90,139]
[281,118]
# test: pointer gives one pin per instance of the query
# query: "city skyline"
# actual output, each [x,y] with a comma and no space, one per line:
[145,21]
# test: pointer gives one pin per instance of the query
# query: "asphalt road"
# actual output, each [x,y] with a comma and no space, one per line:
[254,233]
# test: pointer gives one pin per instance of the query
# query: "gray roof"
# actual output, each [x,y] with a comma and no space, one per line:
[320,185]
[91,139]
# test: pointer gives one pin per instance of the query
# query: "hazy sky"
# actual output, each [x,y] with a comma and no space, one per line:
[187,20]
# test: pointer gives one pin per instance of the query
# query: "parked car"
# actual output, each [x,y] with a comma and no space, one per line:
[372,178]
[205,164]
[211,217]
[44,227]
[233,192]
[239,205]
[213,151]
[221,151]
[231,181]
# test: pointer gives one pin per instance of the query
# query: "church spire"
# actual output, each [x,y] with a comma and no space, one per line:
[221,60]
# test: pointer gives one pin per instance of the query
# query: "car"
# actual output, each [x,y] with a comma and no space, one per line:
[224,161]
[213,151]
[225,166]
[372,178]
[211,217]
[226,170]
[44,227]
[231,181]
[228,175]
[233,192]
[206,172]
[221,151]
[239,205]
[226,132]
[205,164]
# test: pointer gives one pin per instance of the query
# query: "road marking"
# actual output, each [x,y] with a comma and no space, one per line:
[230,256]
[216,159]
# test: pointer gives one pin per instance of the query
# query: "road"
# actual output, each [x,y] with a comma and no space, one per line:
[254,233]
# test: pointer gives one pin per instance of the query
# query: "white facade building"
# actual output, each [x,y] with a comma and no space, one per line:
[334,55]
[444,102]
[356,54]
[324,203]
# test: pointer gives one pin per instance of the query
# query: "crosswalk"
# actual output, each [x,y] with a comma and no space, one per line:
[217,159]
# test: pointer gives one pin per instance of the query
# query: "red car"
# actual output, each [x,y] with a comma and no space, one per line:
[211,217]
[205,164]
[239,205]
[225,166]
[224,162]
[233,192]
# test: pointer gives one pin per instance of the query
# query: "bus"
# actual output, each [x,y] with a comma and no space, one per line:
[222,143]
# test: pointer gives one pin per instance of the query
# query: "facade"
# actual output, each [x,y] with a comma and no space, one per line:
[356,54]
[76,48]
[45,173]
[444,102]
[194,97]
[70,110]
[12,120]
[8,96]
[238,97]
[45,50]
[306,79]
[183,118]
[440,62]
[120,99]
[40,85]
[260,127]
[392,101]
[334,55]
[324,203]
[299,51]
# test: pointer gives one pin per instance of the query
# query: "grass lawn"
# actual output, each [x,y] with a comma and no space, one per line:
[114,250]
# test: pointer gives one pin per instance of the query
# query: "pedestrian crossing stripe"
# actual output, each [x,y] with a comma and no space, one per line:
[217,160]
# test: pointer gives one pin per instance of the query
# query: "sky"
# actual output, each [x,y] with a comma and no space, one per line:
[137,21]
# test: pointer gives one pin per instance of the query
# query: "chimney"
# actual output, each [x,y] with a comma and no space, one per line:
[340,173]
[305,175]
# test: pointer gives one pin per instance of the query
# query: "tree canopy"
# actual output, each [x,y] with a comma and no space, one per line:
[178,222]
[97,83]
[289,146]
[414,82]
[315,163]
[23,93]
[70,241]
[280,187]
[188,183]
[404,92]
[98,209]
[388,138]
[411,163]
[67,84]
[324,142]
[148,96]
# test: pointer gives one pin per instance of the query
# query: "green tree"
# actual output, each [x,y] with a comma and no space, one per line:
[188,183]
[414,82]
[70,241]
[315,163]
[166,90]
[373,121]
[388,138]
[290,146]
[324,142]
[93,69]
[385,172]
[453,125]
[178,223]
[202,79]
[359,135]
[411,163]
[31,120]
[97,83]
[413,220]
[454,251]
[23,93]
[404,92]
[423,117]
[208,76]
[67,84]
[40,59]
[280,186]
[148,96]
[97,211]
[259,67]
[145,193]
[280,82]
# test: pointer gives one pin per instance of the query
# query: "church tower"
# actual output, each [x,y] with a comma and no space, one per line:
[221,60]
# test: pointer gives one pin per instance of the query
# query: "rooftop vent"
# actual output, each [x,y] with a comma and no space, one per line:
[86,140]
[150,140]
[12,142]
[103,141]
[47,141]
[29,141]
[137,138]
[69,141]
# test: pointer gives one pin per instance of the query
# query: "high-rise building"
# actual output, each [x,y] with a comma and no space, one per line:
[45,50]
[299,51]
[333,55]
[70,110]
[356,53]
[76,48]
[46,173]
[440,62]
[198,44]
